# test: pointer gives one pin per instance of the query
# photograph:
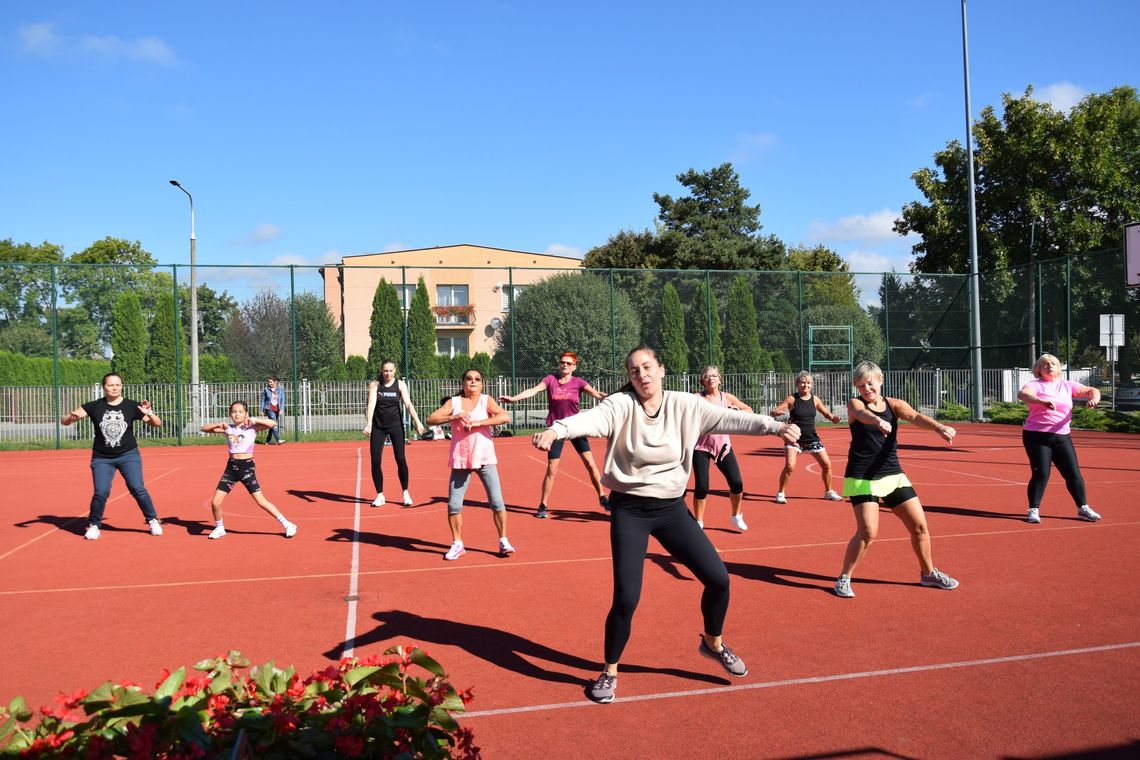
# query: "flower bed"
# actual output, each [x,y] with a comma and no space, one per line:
[396,705]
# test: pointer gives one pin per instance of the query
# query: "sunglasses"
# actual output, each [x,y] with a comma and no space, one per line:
[568,364]
[476,379]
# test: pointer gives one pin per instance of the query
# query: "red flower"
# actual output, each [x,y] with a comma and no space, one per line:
[349,746]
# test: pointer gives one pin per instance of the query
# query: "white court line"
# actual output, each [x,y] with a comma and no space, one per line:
[452,567]
[809,680]
[47,533]
[354,575]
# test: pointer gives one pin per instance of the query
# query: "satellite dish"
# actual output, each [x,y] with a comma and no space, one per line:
[496,323]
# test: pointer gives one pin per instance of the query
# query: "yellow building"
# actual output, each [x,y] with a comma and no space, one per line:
[468,287]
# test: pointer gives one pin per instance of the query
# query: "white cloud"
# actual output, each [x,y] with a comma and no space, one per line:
[751,147]
[287,259]
[40,39]
[877,226]
[1061,95]
[558,249]
[265,233]
[873,261]
[393,247]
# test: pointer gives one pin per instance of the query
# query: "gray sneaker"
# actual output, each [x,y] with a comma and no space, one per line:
[726,657]
[1085,512]
[843,587]
[938,579]
[603,690]
[1033,516]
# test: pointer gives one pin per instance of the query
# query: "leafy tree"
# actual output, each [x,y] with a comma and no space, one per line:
[626,250]
[25,291]
[215,310]
[482,362]
[538,329]
[319,342]
[703,327]
[26,338]
[258,339]
[164,343]
[741,332]
[128,339]
[421,335]
[356,368]
[78,336]
[386,328]
[674,351]
[216,368]
[112,266]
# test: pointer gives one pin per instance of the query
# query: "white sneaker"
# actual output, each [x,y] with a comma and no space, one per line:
[738,521]
[505,547]
[218,531]
[456,551]
[290,530]
[407,499]
[1085,512]
[843,587]
[780,498]
[378,501]
[1033,516]
[155,527]
[832,496]
[701,524]
[92,533]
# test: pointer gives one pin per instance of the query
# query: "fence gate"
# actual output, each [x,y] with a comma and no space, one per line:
[831,347]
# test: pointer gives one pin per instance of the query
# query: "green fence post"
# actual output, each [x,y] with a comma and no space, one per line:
[55,359]
[613,326]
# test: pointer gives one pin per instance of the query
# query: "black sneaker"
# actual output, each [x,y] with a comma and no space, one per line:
[603,689]
[604,502]
[542,512]
[726,657]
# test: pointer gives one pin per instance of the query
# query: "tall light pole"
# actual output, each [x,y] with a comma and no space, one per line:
[975,280]
[193,297]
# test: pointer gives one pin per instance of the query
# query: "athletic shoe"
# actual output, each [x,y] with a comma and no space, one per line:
[1033,515]
[378,501]
[1085,512]
[938,579]
[604,502]
[738,521]
[505,547]
[217,532]
[92,533]
[456,551]
[843,587]
[407,499]
[726,657]
[602,690]
[290,530]
[542,512]
[832,496]
[155,527]
[780,498]
[701,524]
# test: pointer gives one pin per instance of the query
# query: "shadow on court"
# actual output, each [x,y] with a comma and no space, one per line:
[385,541]
[500,648]
[779,576]
[314,496]
[78,524]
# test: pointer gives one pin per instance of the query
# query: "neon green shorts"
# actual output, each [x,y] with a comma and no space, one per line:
[878,487]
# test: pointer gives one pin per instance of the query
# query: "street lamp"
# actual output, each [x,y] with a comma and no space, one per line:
[975,280]
[193,296]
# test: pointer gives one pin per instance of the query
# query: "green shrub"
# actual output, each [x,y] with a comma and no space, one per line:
[951,412]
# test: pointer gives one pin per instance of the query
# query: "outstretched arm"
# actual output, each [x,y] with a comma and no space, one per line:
[905,411]
[532,391]
[783,406]
[1090,393]
[857,411]
[75,415]
[591,390]
[827,413]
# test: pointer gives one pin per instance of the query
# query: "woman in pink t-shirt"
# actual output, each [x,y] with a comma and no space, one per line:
[471,416]
[563,392]
[1046,434]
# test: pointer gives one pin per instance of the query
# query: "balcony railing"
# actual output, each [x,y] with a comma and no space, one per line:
[454,315]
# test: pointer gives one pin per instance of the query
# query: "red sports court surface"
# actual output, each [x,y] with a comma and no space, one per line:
[1037,654]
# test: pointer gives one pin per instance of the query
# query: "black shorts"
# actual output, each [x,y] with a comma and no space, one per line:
[892,500]
[581,445]
[239,471]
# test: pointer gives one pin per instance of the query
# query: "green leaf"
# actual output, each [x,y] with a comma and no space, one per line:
[221,682]
[190,729]
[356,675]
[18,708]
[235,660]
[421,658]
[171,684]
[445,720]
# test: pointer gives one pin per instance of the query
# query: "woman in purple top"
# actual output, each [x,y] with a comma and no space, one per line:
[1046,434]
[563,392]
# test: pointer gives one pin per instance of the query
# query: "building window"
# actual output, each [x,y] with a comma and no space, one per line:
[506,294]
[451,305]
[450,345]
[405,293]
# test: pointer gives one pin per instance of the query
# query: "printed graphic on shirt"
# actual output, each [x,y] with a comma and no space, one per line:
[114,427]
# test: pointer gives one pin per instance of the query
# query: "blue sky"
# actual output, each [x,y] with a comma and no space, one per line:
[311,131]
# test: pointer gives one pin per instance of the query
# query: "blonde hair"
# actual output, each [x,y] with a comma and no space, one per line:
[705,372]
[866,369]
[1041,362]
[804,375]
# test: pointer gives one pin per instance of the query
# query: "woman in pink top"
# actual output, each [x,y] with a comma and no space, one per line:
[717,447]
[471,416]
[563,392]
[1046,434]
[241,433]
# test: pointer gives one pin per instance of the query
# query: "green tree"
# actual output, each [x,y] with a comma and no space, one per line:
[78,336]
[741,332]
[215,310]
[258,339]
[536,328]
[319,342]
[674,350]
[128,339]
[625,250]
[27,338]
[164,342]
[25,280]
[356,368]
[109,267]
[421,335]
[704,329]
[386,328]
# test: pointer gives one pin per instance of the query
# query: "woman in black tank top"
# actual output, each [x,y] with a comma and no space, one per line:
[802,408]
[874,475]
[384,420]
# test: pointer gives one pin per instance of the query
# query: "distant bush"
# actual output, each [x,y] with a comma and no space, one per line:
[20,370]
[951,412]
[1008,413]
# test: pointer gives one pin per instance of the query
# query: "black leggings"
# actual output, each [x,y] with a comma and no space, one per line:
[632,521]
[376,449]
[727,466]
[1043,449]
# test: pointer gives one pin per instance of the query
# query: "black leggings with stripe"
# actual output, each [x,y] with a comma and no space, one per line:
[632,521]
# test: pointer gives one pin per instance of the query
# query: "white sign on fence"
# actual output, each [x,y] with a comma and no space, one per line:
[1112,330]
[1132,254]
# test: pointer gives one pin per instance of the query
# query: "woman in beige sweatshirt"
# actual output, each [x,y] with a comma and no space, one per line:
[651,434]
